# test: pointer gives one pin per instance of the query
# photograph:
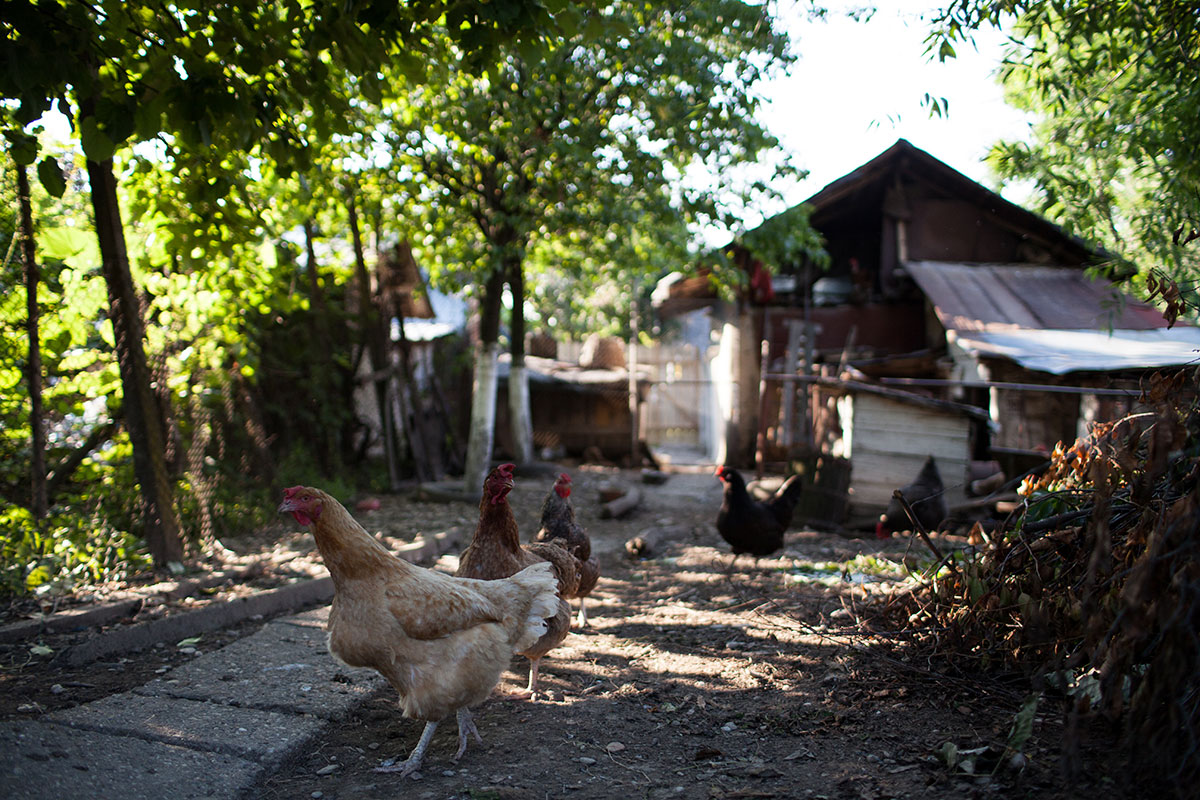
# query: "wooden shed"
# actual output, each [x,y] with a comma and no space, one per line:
[935,282]
[888,434]
[575,409]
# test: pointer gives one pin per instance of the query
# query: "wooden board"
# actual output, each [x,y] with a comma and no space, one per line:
[888,441]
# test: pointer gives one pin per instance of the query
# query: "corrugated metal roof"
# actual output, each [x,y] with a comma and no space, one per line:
[1051,319]
[990,297]
[1059,352]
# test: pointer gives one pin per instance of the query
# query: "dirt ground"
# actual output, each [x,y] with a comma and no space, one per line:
[693,679]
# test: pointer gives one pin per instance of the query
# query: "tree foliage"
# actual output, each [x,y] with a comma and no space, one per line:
[1114,90]
[226,92]
[238,134]
[572,151]
[572,162]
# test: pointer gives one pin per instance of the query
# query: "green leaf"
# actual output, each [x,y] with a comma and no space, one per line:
[63,243]
[1022,727]
[23,147]
[41,650]
[51,176]
[96,144]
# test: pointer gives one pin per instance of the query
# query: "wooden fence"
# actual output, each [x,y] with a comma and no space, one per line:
[675,408]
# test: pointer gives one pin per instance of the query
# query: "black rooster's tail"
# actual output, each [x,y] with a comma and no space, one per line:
[783,503]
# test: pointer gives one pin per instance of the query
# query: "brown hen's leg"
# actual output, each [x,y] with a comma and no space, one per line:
[465,725]
[413,762]
[582,621]
[531,690]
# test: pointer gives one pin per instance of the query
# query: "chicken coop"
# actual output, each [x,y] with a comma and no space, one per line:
[887,435]
[577,408]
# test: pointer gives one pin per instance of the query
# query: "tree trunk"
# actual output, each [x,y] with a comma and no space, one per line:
[483,388]
[315,297]
[143,417]
[483,416]
[373,328]
[38,496]
[520,418]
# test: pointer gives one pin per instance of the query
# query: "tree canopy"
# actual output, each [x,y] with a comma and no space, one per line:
[202,227]
[227,93]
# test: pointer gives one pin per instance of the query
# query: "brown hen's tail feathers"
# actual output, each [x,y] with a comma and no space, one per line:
[541,587]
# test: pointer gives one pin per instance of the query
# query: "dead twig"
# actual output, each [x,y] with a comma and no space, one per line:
[918,527]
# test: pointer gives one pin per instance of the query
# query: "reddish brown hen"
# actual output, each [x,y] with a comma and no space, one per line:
[440,641]
[496,552]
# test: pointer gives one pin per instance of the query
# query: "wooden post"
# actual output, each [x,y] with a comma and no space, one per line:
[809,343]
[764,363]
[409,406]
[791,358]
[632,362]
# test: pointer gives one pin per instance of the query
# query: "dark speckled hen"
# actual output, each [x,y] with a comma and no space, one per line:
[559,525]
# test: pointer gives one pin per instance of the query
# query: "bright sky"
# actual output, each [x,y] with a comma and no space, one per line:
[857,88]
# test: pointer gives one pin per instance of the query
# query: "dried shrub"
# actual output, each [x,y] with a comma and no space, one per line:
[1093,587]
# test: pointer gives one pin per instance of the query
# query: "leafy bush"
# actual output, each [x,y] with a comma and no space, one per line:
[66,551]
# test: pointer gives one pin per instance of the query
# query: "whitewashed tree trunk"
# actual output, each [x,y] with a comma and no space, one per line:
[519,414]
[483,417]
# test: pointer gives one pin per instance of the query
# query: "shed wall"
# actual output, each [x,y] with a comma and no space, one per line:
[887,442]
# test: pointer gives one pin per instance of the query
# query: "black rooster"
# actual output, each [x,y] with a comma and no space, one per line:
[925,495]
[755,526]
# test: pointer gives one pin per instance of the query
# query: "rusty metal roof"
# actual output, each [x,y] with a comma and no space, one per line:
[1051,319]
[993,297]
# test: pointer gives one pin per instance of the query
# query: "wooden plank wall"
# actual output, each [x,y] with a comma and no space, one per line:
[887,443]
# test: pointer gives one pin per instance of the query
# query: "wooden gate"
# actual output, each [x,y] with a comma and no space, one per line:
[676,408]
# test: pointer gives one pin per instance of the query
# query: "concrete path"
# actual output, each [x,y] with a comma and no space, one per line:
[210,728]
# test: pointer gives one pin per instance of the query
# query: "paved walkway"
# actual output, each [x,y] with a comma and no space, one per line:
[210,728]
[214,727]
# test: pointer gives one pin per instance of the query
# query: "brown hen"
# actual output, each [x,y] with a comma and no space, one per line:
[496,552]
[559,525]
[440,641]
